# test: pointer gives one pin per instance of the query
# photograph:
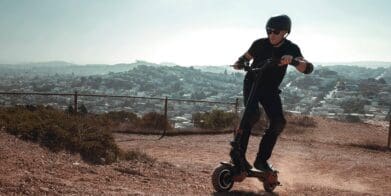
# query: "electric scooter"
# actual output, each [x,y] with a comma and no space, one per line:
[226,174]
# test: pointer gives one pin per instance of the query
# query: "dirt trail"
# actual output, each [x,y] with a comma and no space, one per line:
[306,168]
[330,159]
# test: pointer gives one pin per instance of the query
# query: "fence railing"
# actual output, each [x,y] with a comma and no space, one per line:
[389,135]
[76,95]
[165,99]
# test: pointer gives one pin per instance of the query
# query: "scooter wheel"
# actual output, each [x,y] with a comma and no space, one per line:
[271,182]
[269,187]
[222,178]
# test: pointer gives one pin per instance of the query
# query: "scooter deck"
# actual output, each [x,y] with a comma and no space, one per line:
[270,178]
[256,173]
[253,172]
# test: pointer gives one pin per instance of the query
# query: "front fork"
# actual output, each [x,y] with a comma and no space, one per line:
[237,153]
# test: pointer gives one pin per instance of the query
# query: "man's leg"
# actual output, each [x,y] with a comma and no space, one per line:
[242,134]
[273,108]
[249,118]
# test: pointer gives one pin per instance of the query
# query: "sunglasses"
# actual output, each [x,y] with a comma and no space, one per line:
[270,31]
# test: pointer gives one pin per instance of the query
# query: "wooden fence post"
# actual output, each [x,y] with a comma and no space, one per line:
[75,102]
[389,135]
[165,117]
[236,106]
[165,108]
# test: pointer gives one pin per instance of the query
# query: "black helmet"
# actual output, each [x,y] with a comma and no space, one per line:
[280,22]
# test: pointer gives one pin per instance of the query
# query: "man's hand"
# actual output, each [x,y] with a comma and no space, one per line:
[242,61]
[285,60]
[238,66]
[304,66]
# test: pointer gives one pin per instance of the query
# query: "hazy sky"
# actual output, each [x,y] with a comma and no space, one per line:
[187,32]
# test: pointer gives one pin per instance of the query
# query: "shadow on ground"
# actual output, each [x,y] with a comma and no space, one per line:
[246,193]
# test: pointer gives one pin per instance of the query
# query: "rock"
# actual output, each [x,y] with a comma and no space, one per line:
[44,189]
[108,179]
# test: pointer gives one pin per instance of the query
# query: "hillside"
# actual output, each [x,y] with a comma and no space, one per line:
[27,168]
[334,91]
[333,158]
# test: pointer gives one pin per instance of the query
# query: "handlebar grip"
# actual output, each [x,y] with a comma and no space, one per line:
[295,62]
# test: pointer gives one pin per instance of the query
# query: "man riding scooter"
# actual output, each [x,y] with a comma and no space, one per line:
[282,52]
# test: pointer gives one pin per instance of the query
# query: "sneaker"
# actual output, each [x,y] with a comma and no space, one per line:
[247,165]
[243,165]
[241,162]
[263,166]
[238,158]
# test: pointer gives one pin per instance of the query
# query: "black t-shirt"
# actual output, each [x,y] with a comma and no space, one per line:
[261,50]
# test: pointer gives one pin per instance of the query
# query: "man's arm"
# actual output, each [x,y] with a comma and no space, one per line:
[242,61]
[301,64]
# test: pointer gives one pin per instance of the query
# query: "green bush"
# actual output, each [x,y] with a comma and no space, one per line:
[129,122]
[58,130]
[121,116]
[352,119]
[216,119]
[301,120]
[154,121]
[87,134]
[101,143]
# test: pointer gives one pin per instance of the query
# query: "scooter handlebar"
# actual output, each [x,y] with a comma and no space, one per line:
[267,63]
[264,65]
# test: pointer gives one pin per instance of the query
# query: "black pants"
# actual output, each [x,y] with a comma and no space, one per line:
[271,102]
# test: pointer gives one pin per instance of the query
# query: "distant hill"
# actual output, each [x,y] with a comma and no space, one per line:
[357,72]
[60,67]
[217,69]
[369,64]
[352,70]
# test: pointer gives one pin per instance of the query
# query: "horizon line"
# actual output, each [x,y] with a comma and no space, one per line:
[363,62]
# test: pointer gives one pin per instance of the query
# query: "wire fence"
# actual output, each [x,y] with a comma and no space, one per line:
[179,112]
[176,111]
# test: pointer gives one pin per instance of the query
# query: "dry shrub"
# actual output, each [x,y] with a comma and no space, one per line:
[137,155]
[120,116]
[154,121]
[294,129]
[57,131]
[301,120]
[216,119]
[371,146]
[125,127]
[351,119]
[122,121]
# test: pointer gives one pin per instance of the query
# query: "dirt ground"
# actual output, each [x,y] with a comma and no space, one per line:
[333,158]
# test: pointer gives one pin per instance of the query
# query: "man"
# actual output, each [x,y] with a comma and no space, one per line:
[275,46]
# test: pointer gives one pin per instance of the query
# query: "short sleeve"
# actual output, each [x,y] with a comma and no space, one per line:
[252,49]
[255,47]
[295,51]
